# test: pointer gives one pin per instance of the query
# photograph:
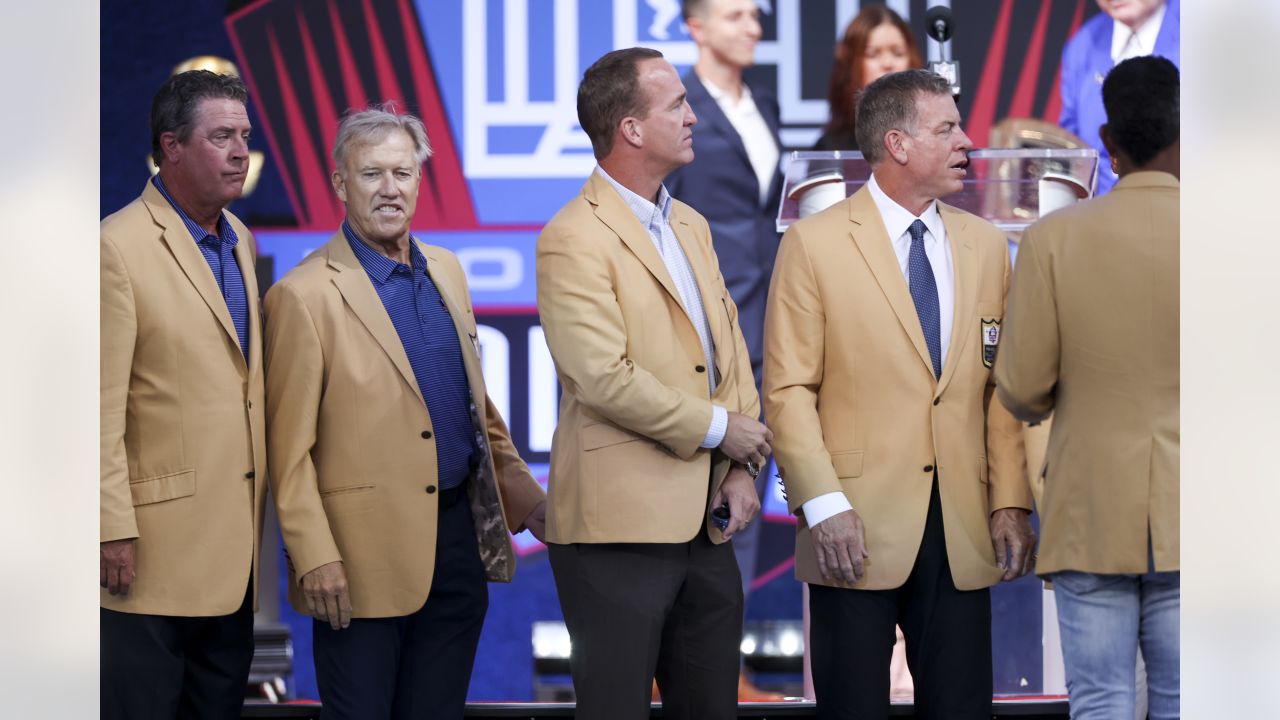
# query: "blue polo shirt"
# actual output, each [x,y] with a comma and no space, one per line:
[430,340]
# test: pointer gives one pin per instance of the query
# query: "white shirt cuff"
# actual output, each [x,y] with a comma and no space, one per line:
[824,506]
[719,424]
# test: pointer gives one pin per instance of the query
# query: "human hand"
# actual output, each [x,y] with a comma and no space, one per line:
[841,545]
[746,440]
[739,490]
[536,523]
[327,594]
[1011,536]
[116,572]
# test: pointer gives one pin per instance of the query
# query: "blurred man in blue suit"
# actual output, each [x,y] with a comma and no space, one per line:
[1124,29]
[734,182]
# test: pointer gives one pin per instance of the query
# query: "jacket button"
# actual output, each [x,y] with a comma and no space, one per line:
[431,489]
[928,468]
[937,400]
[426,434]
[249,475]
[699,368]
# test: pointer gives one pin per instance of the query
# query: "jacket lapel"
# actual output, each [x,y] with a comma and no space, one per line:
[183,248]
[877,249]
[709,112]
[249,272]
[965,261]
[357,290]
[614,213]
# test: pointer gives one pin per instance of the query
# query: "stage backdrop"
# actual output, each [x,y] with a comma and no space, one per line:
[495,82]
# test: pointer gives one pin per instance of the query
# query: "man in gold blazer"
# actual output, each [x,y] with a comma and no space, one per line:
[183,435]
[394,477]
[1092,336]
[904,470]
[658,403]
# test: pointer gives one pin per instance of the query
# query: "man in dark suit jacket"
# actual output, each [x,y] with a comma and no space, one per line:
[734,180]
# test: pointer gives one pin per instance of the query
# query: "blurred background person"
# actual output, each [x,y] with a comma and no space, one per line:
[735,183]
[1092,334]
[876,42]
[1125,29]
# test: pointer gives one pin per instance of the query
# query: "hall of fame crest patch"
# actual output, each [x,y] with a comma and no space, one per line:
[990,339]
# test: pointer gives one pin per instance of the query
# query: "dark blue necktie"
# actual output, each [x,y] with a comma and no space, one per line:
[924,293]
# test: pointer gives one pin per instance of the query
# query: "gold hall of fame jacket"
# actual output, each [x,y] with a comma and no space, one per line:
[854,405]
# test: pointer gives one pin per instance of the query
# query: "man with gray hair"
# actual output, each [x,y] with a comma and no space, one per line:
[394,476]
[907,475]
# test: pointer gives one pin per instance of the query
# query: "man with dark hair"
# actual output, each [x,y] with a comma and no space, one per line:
[1092,336]
[393,474]
[907,476]
[183,453]
[657,435]
[734,182]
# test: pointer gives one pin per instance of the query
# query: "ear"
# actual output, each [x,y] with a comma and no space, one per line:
[696,27]
[339,186]
[170,146]
[896,145]
[1104,132]
[630,131]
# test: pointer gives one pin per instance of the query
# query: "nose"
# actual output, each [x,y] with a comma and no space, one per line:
[754,29]
[966,143]
[387,185]
[689,118]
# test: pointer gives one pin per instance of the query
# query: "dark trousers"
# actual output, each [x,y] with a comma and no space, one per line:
[416,666]
[948,634]
[163,666]
[636,611]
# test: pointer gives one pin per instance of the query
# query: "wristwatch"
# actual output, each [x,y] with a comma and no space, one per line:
[753,469]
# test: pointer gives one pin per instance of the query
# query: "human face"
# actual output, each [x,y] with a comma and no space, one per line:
[886,53]
[1131,13]
[937,149]
[666,134]
[379,183]
[210,167]
[729,30]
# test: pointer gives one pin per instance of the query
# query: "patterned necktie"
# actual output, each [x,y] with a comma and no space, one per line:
[924,293]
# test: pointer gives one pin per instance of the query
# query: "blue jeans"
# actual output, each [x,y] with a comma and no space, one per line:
[1103,619]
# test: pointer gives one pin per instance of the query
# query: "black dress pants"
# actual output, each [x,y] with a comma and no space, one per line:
[640,611]
[416,666]
[948,634]
[163,666]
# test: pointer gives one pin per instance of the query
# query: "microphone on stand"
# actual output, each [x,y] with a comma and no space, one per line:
[941,26]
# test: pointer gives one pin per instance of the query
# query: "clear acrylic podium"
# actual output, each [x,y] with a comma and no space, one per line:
[1005,186]
[1011,188]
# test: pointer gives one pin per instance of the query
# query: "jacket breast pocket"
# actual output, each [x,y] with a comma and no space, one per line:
[160,488]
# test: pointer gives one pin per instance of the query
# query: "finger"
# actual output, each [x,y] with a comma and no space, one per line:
[113,578]
[1015,560]
[314,607]
[844,558]
[344,608]
[768,435]
[331,612]
[823,567]
[1001,562]
[102,571]
[126,578]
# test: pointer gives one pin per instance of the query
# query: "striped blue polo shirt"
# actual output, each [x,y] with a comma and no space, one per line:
[219,251]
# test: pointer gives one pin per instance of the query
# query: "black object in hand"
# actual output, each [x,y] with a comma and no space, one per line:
[720,516]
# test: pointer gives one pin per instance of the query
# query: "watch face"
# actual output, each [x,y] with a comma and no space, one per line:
[753,469]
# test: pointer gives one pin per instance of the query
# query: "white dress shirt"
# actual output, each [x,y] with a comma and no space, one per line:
[757,138]
[897,220]
[656,220]
[1126,43]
